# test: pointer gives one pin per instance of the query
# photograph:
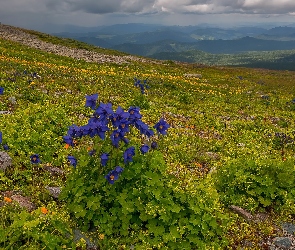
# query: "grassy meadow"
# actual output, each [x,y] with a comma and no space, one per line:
[230,142]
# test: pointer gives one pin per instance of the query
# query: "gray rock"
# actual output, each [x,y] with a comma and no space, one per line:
[289,227]
[54,171]
[5,161]
[24,202]
[12,100]
[4,112]
[272,248]
[213,155]
[54,191]
[193,75]
[78,235]
[283,242]
[242,212]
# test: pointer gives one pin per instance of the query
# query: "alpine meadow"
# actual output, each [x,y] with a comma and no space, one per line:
[105,150]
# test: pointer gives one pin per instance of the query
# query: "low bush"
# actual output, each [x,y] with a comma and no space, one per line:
[253,185]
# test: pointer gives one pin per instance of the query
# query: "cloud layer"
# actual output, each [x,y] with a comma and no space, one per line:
[37,14]
[174,6]
[153,6]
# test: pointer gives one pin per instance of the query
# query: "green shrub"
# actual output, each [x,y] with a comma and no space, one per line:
[137,204]
[253,185]
[144,207]
[40,229]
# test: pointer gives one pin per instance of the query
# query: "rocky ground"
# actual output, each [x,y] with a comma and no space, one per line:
[19,35]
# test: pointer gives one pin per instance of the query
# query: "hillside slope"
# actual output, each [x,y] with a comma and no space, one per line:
[32,40]
[229,147]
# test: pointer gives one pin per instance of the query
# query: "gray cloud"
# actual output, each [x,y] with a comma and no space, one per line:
[37,13]
[152,6]
[227,6]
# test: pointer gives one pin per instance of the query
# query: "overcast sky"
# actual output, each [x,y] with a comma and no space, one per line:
[45,14]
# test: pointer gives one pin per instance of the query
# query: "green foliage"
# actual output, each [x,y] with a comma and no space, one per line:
[253,185]
[144,208]
[20,229]
[141,101]
[42,132]
[185,98]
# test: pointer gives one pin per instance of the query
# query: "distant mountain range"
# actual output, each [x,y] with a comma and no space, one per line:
[184,42]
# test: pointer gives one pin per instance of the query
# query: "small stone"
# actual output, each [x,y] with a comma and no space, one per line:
[54,171]
[240,211]
[82,117]
[193,75]
[78,235]
[213,155]
[289,227]
[24,202]
[54,191]
[248,243]
[4,112]
[12,100]
[261,217]
[283,242]
[5,161]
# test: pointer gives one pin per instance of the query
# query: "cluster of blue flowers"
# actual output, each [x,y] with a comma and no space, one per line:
[142,86]
[120,121]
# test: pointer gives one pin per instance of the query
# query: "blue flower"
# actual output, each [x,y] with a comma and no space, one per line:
[142,86]
[118,169]
[89,129]
[144,149]
[104,111]
[91,101]
[116,136]
[125,140]
[35,159]
[1,90]
[73,161]
[5,147]
[149,133]
[141,126]
[91,152]
[119,116]
[136,82]
[128,154]
[134,114]
[124,126]
[68,140]
[75,131]
[113,175]
[154,145]
[162,126]
[1,137]
[95,128]
[104,159]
